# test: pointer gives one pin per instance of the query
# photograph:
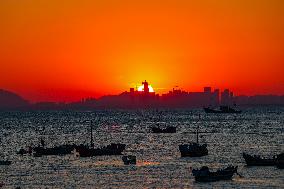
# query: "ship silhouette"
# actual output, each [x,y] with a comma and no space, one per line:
[223,109]
[194,149]
[164,130]
[256,160]
[111,149]
[205,175]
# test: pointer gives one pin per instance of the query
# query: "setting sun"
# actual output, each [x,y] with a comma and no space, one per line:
[141,88]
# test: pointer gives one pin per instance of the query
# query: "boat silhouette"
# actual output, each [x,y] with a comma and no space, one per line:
[41,150]
[164,130]
[57,150]
[223,109]
[205,175]
[112,149]
[194,149]
[256,160]
[89,151]
[82,149]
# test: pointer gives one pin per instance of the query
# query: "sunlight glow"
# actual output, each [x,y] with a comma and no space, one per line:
[141,88]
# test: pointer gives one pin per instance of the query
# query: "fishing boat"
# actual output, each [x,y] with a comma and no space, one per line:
[128,160]
[41,150]
[256,160]
[194,149]
[164,130]
[223,109]
[205,175]
[57,150]
[89,151]
[112,149]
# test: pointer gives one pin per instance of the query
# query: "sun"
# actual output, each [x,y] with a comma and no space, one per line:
[141,88]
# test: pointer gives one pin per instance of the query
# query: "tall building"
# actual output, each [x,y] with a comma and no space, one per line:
[226,98]
[146,87]
[207,96]
[216,97]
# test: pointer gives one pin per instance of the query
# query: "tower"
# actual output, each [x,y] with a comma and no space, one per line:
[146,86]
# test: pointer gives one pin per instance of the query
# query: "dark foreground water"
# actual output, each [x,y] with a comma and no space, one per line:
[257,131]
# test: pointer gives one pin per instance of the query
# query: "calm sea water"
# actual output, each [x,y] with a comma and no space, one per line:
[257,131]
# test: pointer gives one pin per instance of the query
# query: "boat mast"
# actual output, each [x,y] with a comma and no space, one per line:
[92,143]
[197,130]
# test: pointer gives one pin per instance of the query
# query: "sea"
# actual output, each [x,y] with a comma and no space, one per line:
[257,131]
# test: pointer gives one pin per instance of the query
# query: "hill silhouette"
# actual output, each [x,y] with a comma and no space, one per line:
[10,100]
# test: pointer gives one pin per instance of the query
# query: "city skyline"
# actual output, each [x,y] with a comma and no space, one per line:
[144,96]
[224,93]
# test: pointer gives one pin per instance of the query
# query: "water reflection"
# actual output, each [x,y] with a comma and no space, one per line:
[159,162]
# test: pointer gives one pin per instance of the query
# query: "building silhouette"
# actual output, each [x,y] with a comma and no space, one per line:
[146,98]
[227,98]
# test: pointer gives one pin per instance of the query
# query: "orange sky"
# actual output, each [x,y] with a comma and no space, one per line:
[64,50]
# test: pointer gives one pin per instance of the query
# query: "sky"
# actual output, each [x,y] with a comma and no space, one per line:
[64,50]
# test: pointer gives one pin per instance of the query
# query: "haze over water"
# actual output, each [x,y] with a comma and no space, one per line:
[256,131]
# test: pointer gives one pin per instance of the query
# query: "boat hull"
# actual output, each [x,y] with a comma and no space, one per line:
[214,178]
[166,130]
[222,111]
[113,149]
[98,152]
[59,150]
[204,175]
[257,161]
[193,150]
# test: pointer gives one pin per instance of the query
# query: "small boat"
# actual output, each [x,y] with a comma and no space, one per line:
[165,130]
[223,109]
[194,149]
[5,162]
[57,150]
[255,160]
[280,161]
[89,151]
[112,149]
[43,151]
[128,160]
[60,150]
[205,175]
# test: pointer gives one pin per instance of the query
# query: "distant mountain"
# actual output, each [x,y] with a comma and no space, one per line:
[10,100]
